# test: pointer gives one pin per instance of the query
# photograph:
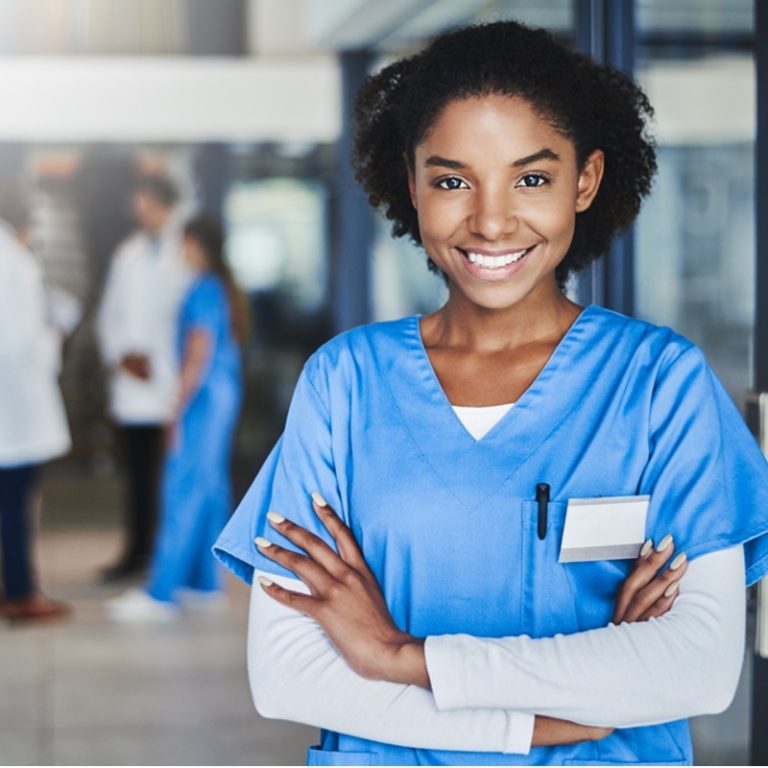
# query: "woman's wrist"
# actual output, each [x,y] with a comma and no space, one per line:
[408,665]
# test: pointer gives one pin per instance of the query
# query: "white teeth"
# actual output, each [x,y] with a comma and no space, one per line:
[495,262]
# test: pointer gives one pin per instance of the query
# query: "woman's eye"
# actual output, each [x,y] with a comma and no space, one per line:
[533,180]
[451,182]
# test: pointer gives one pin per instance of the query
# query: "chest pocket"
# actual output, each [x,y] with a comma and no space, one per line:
[548,596]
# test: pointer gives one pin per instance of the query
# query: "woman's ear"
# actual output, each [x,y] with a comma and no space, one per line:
[589,180]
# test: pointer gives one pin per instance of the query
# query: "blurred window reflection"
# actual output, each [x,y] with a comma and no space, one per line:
[703,16]
[694,267]
[277,239]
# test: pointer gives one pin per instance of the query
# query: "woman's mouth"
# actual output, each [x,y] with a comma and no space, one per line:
[494,266]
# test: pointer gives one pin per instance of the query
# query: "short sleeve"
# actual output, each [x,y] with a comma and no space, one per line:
[706,475]
[204,307]
[300,462]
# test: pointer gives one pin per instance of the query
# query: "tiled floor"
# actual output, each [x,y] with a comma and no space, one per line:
[86,692]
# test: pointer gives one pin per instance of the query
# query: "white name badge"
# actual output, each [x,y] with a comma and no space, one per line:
[604,528]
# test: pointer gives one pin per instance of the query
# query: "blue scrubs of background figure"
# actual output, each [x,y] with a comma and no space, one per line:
[196,493]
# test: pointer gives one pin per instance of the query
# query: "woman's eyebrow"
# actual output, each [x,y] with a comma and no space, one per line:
[457,165]
[444,162]
[542,154]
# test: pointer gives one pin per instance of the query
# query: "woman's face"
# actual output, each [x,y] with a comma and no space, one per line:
[194,254]
[497,189]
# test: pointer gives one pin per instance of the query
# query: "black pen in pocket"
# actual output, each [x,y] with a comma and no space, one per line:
[542,499]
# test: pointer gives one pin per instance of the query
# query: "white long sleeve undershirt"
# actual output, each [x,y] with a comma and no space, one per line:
[684,664]
[297,674]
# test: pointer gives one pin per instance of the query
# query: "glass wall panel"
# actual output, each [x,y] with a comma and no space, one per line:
[695,237]
[695,249]
[714,17]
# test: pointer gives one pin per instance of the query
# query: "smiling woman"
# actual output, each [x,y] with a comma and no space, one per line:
[417,606]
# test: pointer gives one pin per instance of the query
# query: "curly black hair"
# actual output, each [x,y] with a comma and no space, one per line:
[594,106]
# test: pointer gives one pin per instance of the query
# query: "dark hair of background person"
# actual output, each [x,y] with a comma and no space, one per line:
[158,186]
[208,233]
[14,205]
[592,105]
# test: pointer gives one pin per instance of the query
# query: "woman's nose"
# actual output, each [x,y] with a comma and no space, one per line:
[493,216]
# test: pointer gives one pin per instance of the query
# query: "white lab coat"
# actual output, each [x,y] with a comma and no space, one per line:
[33,423]
[138,315]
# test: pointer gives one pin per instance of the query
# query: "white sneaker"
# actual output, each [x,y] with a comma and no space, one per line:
[136,607]
[204,601]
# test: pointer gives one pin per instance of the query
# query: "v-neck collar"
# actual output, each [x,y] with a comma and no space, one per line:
[441,399]
[474,469]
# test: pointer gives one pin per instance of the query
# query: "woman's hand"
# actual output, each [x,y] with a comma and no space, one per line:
[550,732]
[648,592]
[345,599]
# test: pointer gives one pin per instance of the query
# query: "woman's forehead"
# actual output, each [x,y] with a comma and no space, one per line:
[483,124]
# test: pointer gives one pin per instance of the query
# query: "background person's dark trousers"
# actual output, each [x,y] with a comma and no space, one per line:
[141,447]
[21,598]
[16,486]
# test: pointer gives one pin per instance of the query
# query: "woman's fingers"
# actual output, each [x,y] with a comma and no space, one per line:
[638,589]
[349,563]
[317,578]
[657,597]
[344,538]
[647,565]
[312,544]
[296,600]
[661,606]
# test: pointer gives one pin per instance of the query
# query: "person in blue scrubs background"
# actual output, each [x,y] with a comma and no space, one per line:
[196,493]
[413,598]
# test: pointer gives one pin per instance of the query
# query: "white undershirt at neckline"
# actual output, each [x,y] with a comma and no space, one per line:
[479,420]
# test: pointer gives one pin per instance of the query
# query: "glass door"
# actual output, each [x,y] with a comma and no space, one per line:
[696,258]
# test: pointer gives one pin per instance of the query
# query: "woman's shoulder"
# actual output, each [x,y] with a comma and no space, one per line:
[206,287]
[637,338]
[365,346]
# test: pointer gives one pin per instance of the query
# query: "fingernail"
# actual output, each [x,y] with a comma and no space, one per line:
[671,589]
[264,581]
[274,517]
[260,541]
[664,543]
[646,548]
[677,562]
[318,499]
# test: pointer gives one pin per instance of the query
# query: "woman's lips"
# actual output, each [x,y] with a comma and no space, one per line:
[495,265]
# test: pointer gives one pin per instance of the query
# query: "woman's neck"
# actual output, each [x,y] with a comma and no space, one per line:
[464,325]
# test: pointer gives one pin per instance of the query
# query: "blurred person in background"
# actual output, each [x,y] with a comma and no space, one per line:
[135,327]
[196,492]
[33,423]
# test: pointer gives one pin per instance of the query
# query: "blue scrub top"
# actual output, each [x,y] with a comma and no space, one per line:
[621,408]
[206,306]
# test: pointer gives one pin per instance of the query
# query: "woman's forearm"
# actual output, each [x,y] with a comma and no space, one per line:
[686,663]
[197,353]
[296,674]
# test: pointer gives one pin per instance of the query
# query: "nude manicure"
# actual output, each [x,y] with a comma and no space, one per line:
[664,543]
[646,548]
[671,589]
[318,499]
[264,581]
[260,541]
[274,517]
[677,562]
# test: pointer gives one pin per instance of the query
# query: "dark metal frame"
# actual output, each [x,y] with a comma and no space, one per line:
[759,704]
[605,29]
[354,230]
